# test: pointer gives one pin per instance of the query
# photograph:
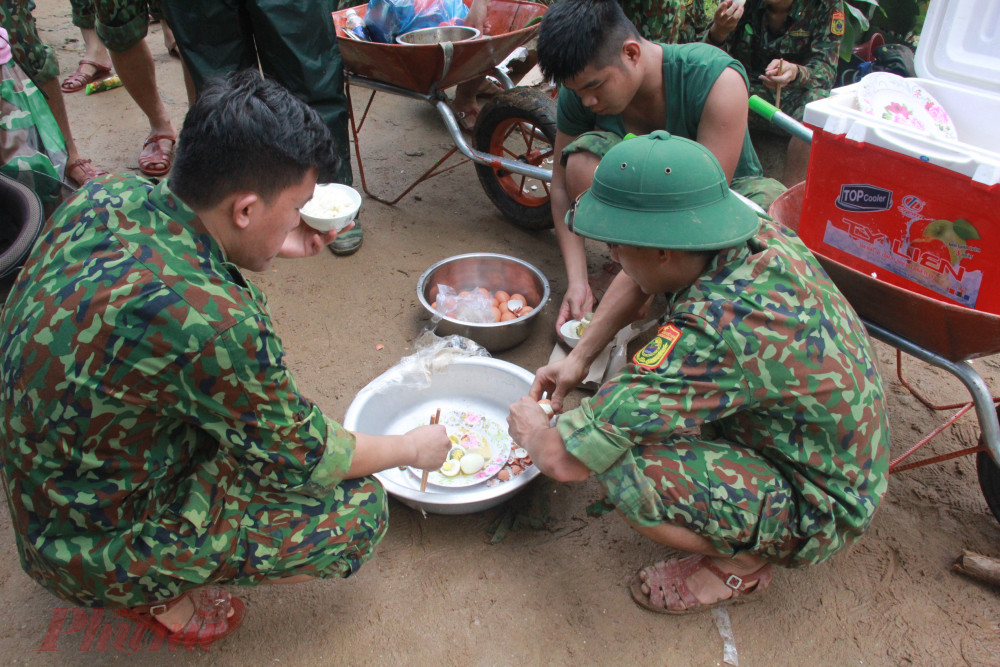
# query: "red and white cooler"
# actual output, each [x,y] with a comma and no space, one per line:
[915,211]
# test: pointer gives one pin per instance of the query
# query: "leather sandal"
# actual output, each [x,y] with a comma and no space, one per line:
[668,592]
[156,156]
[79,79]
[209,623]
[80,171]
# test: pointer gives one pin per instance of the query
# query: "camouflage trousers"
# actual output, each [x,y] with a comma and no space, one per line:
[121,24]
[729,494]
[84,12]
[280,534]
[758,189]
[37,59]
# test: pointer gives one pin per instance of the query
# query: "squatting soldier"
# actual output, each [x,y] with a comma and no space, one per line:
[154,443]
[751,430]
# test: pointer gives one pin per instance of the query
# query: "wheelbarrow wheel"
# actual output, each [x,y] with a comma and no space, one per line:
[989,478]
[519,124]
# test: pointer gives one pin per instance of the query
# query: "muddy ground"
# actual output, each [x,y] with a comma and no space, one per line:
[553,590]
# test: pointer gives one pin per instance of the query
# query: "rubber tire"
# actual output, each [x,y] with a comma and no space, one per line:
[989,479]
[20,221]
[528,105]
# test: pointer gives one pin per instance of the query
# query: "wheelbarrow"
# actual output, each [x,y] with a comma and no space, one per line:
[936,332]
[513,138]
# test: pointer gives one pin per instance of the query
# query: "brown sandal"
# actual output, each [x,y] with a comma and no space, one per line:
[209,623]
[156,156]
[79,79]
[80,171]
[669,594]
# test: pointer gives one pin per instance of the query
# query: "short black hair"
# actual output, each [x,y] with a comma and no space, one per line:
[578,33]
[246,132]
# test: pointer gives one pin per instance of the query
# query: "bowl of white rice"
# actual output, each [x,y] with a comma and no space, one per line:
[332,206]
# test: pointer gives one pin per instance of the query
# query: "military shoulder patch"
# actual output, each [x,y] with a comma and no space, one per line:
[653,355]
[837,23]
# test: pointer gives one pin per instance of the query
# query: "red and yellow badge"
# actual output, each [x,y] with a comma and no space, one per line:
[658,349]
[837,23]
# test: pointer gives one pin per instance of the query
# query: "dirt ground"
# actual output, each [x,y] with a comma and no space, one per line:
[553,590]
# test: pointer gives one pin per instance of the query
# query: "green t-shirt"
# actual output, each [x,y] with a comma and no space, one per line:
[689,72]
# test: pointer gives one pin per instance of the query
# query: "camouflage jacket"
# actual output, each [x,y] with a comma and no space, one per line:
[142,382]
[764,351]
[811,40]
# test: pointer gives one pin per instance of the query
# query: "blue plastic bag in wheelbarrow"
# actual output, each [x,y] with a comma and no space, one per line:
[387,19]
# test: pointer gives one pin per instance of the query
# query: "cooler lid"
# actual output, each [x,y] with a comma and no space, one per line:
[960,44]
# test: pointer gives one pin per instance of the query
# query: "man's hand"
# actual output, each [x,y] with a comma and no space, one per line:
[528,426]
[727,17]
[577,302]
[304,241]
[430,446]
[779,73]
[558,379]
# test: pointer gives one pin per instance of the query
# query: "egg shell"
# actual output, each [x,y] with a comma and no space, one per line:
[482,290]
[546,406]
[472,463]
[508,316]
[524,311]
[500,295]
[496,314]
[514,305]
[519,297]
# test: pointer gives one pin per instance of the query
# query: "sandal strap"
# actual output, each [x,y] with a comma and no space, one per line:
[739,584]
[98,66]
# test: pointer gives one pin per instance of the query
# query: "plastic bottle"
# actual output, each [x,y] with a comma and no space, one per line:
[103,84]
[355,24]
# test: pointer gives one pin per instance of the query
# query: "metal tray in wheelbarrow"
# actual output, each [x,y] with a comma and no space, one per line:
[423,68]
[951,331]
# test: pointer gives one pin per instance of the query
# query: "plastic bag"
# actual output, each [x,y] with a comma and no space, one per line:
[431,354]
[387,19]
[474,306]
[32,149]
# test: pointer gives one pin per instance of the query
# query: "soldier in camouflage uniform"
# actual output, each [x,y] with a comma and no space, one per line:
[751,430]
[154,441]
[789,43]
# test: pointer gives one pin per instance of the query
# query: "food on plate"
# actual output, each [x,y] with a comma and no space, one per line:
[472,463]
[451,467]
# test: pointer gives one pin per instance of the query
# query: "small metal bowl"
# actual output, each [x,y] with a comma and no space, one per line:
[392,404]
[493,272]
[438,35]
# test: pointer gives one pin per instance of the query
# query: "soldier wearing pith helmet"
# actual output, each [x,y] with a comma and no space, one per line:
[750,431]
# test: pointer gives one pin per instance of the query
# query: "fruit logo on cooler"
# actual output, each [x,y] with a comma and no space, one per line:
[869,198]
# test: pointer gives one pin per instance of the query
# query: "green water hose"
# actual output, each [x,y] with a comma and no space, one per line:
[780,119]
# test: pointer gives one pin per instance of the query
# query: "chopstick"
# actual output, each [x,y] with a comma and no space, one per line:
[777,90]
[423,478]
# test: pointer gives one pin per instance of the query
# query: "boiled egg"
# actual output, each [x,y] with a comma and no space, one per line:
[472,463]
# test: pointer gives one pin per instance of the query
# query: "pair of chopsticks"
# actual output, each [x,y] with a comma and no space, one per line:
[423,478]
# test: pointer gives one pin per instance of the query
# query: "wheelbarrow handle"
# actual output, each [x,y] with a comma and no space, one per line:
[780,119]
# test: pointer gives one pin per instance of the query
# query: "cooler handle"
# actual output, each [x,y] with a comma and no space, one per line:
[923,149]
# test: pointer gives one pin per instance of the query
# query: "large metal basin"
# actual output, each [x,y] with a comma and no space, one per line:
[494,272]
[392,404]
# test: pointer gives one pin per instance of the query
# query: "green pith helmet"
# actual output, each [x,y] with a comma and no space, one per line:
[662,191]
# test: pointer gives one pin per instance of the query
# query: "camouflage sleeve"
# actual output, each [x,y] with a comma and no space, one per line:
[820,69]
[686,376]
[276,433]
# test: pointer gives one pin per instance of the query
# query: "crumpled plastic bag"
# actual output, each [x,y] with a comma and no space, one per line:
[387,19]
[475,306]
[432,354]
